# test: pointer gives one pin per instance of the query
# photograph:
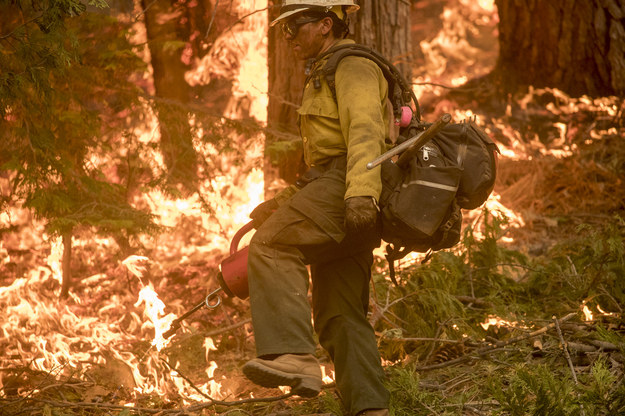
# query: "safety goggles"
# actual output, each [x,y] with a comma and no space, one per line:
[291,26]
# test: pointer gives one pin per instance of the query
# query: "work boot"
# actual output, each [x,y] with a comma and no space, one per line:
[301,372]
[374,412]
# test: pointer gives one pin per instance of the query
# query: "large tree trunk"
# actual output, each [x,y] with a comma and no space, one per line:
[577,46]
[286,82]
[382,25]
[385,25]
[165,32]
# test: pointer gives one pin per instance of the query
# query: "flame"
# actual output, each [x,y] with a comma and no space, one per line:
[604,313]
[136,265]
[209,345]
[154,311]
[498,322]
[99,325]
[243,52]
[449,57]
[327,378]
[64,339]
[589,315]
[55,259]
[587,312]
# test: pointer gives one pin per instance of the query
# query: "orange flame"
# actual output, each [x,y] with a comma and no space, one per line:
[154,311]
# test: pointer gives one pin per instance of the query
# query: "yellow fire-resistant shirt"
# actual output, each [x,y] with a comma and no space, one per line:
[354,124]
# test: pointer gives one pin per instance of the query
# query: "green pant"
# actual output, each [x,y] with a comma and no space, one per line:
[309,230]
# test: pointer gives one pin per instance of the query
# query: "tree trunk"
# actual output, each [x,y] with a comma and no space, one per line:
[381,24]
[576,46]
[286,83]
[385,26]
[163,22]
[66,265]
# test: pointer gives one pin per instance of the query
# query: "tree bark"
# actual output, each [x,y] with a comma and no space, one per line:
[164,28]
[66,264]
[286,83]
[577,46]
[385,26]
[381,24]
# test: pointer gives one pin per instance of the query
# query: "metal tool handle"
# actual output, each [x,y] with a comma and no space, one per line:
[413,144]
[427,135]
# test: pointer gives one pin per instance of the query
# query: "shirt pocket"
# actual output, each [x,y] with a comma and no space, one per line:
[320,106]
[320,128]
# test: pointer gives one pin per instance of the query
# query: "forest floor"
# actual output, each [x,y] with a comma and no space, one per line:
[525,316]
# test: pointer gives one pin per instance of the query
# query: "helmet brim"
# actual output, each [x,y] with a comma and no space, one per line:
[287,14]
[350,9]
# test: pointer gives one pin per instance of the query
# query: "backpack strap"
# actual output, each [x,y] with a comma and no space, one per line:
[400,91]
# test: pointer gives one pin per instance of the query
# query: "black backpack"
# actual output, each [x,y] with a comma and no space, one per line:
[421,200]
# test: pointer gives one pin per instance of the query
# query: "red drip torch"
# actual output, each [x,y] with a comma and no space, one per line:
[232,279]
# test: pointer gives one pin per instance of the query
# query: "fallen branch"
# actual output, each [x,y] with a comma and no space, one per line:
[227,328]
[568,357]
[215,332]
[95,406]
[449,341]
[214,402]
[497,346]
[183,410]
[473,300]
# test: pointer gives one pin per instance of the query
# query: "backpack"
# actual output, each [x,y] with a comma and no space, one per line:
[421,200]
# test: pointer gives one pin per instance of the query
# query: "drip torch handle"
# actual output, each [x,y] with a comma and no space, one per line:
[234,244]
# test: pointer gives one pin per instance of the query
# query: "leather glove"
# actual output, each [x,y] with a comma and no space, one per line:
[361,214]
[260,214]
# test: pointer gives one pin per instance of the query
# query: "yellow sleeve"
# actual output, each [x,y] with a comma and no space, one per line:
[361,92]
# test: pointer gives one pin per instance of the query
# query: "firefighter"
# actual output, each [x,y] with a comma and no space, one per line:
[328,220]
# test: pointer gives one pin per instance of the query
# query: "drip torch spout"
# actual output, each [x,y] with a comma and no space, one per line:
[211,301]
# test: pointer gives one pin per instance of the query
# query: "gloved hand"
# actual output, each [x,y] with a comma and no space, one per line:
[361,214]
[260,214]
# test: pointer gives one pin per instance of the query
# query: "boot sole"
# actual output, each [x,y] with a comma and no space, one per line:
[302,385]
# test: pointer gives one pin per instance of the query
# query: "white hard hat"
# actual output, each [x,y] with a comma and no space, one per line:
[291,7]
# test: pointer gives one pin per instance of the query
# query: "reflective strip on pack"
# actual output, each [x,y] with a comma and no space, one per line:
[431,185]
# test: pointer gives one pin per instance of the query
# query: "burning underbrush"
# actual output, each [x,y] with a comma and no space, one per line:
[532,299]
[525,316]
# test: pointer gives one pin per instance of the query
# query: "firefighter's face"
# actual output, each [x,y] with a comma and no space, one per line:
[306,34]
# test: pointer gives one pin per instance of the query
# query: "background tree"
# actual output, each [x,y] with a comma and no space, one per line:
[382,25]
[169,25]
[65,97]
[286,81]
[181,35]
[575,46]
